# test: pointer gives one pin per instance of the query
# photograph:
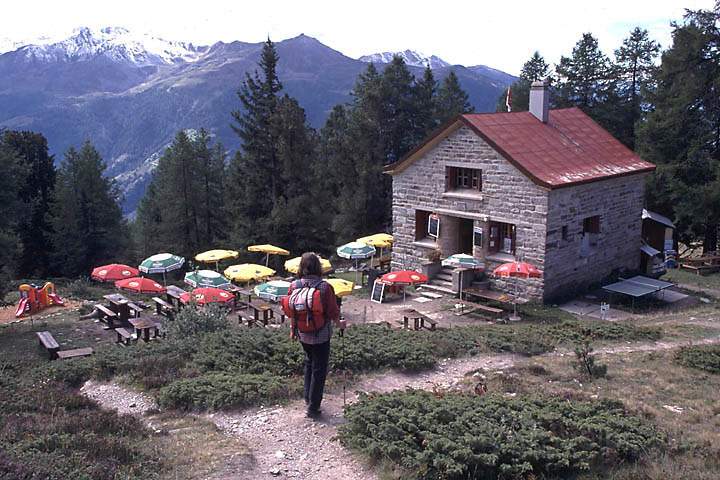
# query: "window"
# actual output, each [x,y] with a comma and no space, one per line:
[564,233]
[502,238]
[591,224]
[458,178]
[421,224]
[590,234]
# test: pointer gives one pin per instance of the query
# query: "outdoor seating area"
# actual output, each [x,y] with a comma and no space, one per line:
[52,347]
[704,264]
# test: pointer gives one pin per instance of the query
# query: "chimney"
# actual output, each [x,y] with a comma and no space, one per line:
[540,100]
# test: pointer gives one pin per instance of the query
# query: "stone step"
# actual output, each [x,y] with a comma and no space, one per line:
[442,283]
[427,294]
[445,277]
[440,289]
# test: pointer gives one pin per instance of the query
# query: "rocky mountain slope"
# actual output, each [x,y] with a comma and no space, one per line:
[130,93]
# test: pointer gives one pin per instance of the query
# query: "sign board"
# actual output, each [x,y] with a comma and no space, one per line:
[604,309]
[434,225]
[377,292]
[478,236]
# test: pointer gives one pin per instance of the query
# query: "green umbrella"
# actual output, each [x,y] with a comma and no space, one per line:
[356,251]
[272,290]
[161,263]
[206,278]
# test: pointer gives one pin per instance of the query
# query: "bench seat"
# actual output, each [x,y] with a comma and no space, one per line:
[77,352]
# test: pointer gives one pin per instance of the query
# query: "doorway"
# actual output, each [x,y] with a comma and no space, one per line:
[465,236]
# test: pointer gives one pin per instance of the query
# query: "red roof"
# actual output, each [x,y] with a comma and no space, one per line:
[569,149]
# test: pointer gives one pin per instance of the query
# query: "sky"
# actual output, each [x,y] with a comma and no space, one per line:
[502,35]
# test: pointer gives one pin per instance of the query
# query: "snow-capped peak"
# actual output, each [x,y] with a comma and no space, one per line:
[411,57]
[115,43]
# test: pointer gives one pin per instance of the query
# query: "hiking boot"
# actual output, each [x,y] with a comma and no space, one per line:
[313,413]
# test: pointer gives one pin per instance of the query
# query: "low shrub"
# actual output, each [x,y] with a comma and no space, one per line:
[702,357]
[191,321]
[585,364]
[225,390]
[493,437]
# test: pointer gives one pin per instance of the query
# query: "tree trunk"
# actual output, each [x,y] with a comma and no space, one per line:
[711,238]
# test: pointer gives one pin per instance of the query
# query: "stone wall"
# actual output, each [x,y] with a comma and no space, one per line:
[618,202]
[507,196]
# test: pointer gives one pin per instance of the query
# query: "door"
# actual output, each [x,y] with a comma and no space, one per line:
[465,236]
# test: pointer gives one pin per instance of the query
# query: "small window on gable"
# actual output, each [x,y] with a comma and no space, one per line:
[459,178]
[591,224]
[564,234]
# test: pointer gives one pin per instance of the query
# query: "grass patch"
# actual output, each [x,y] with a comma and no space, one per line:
[678,275]
[701,357]
[457,436]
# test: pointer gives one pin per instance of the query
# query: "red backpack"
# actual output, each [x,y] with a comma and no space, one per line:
[304,307]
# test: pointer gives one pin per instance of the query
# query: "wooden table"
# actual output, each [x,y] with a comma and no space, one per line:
[143,325]
[487,294]
[120,305]
[172,293]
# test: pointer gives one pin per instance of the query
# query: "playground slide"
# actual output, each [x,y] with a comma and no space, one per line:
[56,299]
[21,307]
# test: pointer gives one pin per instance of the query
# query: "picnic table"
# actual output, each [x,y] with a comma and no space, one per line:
[418,319]
[143,326]
[485,294]
[120,305]
[172,294]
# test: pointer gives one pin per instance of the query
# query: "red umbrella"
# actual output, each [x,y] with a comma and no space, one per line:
[203,296]
[140,285]
[404,277]
[113,272]
[517,269]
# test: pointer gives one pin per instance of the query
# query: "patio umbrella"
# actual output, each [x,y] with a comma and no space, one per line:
[161,263]
[248,272]
[206,278]
[203,296]
[215,256]
[113,272]
[140,285]
[463,260]
[341,287]
[293,265]
[355,251]
[404,277]
[268,250]
[379,240]
[272,290]
[517,269]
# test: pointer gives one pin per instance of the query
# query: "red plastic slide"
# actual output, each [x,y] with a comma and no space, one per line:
[21,307]
[56,299]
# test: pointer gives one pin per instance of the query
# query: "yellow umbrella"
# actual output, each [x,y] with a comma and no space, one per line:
[247,272]
[214,256]
[342,287]
[293,265]
[379,240]
[268,250]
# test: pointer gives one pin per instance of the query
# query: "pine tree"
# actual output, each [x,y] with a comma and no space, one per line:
[682,133]
[35,193]
[88,226]
[425,108]
[451,99]
[534,69]
[399,110]
[584,78]
[183,210]
[13,168]
[634,67]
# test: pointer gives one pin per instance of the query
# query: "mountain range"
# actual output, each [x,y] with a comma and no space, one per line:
[131,93]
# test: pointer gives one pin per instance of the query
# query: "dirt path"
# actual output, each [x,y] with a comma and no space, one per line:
[286,444]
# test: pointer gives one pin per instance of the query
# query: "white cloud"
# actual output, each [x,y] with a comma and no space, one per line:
[499,34]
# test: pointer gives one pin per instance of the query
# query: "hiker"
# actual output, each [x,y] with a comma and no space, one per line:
[312,308]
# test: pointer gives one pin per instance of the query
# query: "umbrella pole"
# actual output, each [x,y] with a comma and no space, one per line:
[164,281]
[267,259]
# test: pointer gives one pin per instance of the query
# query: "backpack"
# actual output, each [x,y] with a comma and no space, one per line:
[304,307]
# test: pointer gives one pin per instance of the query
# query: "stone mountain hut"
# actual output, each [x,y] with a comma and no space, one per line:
[550,187]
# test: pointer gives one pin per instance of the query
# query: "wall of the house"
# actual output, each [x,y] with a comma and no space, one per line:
[508,196]
[619,204]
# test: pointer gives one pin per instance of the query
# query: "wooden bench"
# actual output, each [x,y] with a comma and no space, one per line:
[419,320]
[164,308]
[106,315]
[124,337]
[49,343]
[700,269]
[77,352]
[471,307]
[135,309]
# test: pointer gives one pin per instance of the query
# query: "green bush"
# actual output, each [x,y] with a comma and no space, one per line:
[493,437]
[702,357]
[50,431]
[192,321]
[585,364]
[225,390]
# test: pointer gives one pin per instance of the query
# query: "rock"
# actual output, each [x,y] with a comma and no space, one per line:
[279,454]
[132,405]
[704,300]
[275,471]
